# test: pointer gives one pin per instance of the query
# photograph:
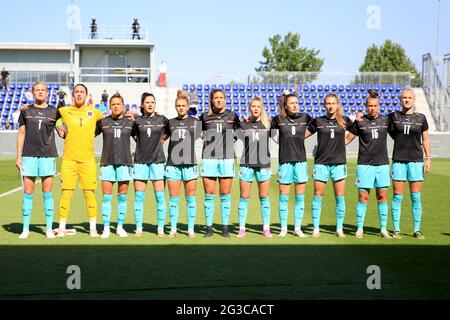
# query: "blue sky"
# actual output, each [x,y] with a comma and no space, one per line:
[229,35]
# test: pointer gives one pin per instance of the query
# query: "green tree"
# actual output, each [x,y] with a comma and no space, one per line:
[286,55]
[389,57]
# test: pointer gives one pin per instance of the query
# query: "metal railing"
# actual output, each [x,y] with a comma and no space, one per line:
[113,33]
[447,72]
[177,79]
[436,93]
[122,75]
[61,77]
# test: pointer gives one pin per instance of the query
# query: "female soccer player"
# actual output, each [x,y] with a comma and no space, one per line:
[36,153]
[330,160]
[292,167]
[149,161]
[181,163]
[410,133]
[78,158]
[372,170]
[218,125]
[255,163]
[116,162]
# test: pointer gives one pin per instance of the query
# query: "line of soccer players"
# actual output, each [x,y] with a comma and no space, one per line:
[219,129]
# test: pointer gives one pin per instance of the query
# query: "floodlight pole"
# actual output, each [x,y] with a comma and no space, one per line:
[437,32]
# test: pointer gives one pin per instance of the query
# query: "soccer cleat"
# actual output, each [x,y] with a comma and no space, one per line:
[60,233]
[396,235]
[299,233]
[24,234]
[267,233]
[241,233]
[418,235]
[161,233]
[49,234]
[339,233]
[121,232]
[106,233]
[385,234]
[172,234]
[138,232]
[316,233]
[93,233]
[225,232]
[282,233]
[209,232]
[191,234]
[359,234]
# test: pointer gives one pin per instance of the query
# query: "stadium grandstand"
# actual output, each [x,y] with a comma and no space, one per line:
[115,62]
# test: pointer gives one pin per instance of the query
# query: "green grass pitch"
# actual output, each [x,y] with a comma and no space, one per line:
[219,268]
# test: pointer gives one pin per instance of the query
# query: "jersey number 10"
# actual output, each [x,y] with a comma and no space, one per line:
[117,133]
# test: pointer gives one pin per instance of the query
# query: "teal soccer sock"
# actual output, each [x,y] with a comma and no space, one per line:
[340,212]
[160,209]
[316,209]
[265,210]
[106,209]
[121,209]
[209,209]
[27,207]
[283,210]
[242,211]
[139,197]
[299,210]
[396,210]
[191,211]
[173,212]
[225,206]
[49,207]
[361,208]
[416,203]
[383,214]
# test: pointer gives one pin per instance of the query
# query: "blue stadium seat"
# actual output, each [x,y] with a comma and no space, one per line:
[349,94]
[376,87]
[313,94]
[200,101]
[388,101]
[199,87]
[302,108]
[362,87]
[364,95]
[382,108]
[308,101]
[273,114]
[235,87]
[353,108]
[10,93]
[256,87]
[315,101]
[213,87]
[192,87]
[342,95]
[327,88]
[227,87]
[235,94]
[312,88]
[321,95]
[206,87]
[273,108]
[395,101]
[242,94]
[249,87]
[272,101]
[383,88]
[236,108]
[271,94]
[348,88]
[346,108]
[241,87]
[311,114]
[243,107]
[398,108]
[235,101]
[398,88]
[361,108]
[316,108]
[265,101]
[305,88]
[249,94]
[284,87]
[300,94]
[277,88]
[263,87]
[386,95]
[357,95]
[306,95]
[270,87]
[266,108]
[390,109]
[301,101]
[344,101]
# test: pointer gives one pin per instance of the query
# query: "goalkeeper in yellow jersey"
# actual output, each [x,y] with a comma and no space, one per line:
[78,158]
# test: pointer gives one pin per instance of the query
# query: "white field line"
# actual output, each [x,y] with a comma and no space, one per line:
[7,193]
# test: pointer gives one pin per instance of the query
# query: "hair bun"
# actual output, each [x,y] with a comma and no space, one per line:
[373,93]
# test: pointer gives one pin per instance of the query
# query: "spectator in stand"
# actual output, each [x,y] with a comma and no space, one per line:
[5,79]
[93,28]
[61,98]
[136,27]
[162,74]
[105,98]
[15,117]
[29,96]
[90,100]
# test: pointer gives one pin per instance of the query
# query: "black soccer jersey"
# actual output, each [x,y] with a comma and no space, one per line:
[256,144]
[183,133]
[148,132]
[116,140]
[218,139]
[406,130]
[39,131]
[291,137]
[330,140]
[372,135]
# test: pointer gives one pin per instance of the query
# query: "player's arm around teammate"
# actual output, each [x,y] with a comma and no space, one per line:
[149,161]
[292,169]
[36,155]
[255,164]
[330,160]
[181,165]
[116,163]
[410,133]
[217,163]
[372,170]
[78,158]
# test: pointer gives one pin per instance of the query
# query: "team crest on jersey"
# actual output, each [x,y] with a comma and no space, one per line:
[90,114]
